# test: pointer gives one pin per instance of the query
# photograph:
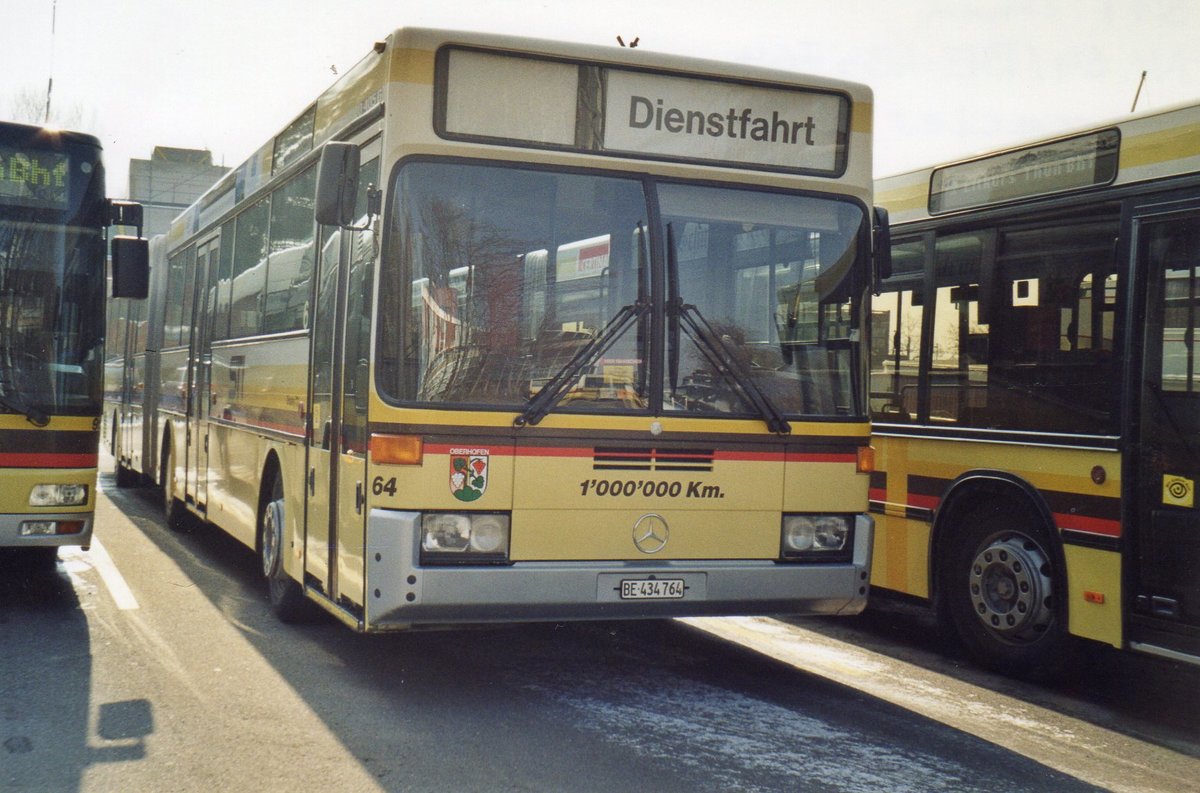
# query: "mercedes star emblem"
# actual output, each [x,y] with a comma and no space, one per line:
[650,533]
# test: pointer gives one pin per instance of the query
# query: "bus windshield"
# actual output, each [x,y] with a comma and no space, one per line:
[51,279]
[497,280]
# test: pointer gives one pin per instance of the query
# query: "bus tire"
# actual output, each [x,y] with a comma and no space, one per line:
[125,477]
[286,596]
[1002,591]
[172,509]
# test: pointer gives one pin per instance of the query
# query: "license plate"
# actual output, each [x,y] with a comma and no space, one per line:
[651,588]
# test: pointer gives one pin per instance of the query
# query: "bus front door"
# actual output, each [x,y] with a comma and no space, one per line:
[200,373]
[339,386]
[1166,539]
[323,424]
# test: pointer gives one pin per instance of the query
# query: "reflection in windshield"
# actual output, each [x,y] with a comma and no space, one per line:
[508,275]
[530,291]
[49,301]
[771,274]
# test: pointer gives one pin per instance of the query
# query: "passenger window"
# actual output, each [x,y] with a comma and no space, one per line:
[958,380]
[178,309]
[224,283]
[1051,366]
[249,270]
[290,262]
[896,317]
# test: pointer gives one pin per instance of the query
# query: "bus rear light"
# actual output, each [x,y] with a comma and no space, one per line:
[866,460]
[464,537]
[49,528]
[48,495]
[397,449]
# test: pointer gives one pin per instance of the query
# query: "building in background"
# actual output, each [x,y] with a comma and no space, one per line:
[169,182]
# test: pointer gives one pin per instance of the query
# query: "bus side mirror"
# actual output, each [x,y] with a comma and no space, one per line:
[337,184]
[125,213]
[881,245]
[130,267]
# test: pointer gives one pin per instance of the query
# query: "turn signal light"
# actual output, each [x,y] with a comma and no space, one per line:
[397,449]
[866,460]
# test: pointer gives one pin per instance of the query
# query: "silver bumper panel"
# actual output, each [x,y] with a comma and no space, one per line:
[401,594]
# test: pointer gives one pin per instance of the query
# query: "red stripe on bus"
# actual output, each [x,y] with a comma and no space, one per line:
[924,502]
[22,460]
[600,455]
[821,457]
[1107,528]
[554,451]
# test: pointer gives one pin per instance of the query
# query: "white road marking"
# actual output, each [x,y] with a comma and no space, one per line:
[103,564]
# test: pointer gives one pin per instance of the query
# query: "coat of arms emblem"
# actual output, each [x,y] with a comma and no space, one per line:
[468,474]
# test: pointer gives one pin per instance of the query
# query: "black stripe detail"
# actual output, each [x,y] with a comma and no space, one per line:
[1102,507]
[622,458]
[536,437]
[1086,540]
[48,441]
[1055,440]
[931,486]
[919,513]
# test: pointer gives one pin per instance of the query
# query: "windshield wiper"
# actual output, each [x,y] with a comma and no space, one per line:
[34,416]
[713,348]
[549,394]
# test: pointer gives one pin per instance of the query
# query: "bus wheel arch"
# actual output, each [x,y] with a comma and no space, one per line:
[998,576]
[271,537]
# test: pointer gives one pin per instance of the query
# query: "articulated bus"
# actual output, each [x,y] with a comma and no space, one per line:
[502,330]
[1035,393]
[53,222]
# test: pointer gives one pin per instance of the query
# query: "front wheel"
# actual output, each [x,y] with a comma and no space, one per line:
[287,599]
[1002,592]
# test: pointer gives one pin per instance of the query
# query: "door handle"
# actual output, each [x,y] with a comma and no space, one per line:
[312,481]
[360,497]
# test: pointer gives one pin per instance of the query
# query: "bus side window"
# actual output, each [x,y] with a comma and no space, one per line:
[290,263]
[249,270]
[1051,362]
[896,317]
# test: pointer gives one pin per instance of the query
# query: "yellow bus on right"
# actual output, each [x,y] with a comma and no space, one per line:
[1035,394]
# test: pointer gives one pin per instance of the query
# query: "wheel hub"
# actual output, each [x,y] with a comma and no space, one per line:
[1010,588]
[272,537]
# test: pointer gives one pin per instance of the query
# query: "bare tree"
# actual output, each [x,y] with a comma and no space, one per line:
[28,105]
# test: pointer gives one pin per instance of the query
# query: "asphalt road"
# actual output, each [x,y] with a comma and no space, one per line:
[152,663]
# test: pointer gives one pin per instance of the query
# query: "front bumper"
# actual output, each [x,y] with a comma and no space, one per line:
[10,530]
[401,593]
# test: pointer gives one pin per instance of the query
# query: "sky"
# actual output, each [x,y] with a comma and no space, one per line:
[951,77]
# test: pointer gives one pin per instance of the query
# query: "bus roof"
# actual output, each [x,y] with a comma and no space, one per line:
[407,58]
[47,136]
[1136,148]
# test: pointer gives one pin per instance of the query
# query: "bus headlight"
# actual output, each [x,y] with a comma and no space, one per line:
[816,537]
[464,537]
[73,495]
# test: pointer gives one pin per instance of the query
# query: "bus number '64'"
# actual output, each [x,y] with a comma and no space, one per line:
[625,488]
[379,486]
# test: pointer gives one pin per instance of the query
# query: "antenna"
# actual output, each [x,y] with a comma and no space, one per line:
[1141,82]
[50,85]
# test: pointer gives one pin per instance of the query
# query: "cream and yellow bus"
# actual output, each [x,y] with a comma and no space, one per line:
[1035,391]
[501,329]
[54,220]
